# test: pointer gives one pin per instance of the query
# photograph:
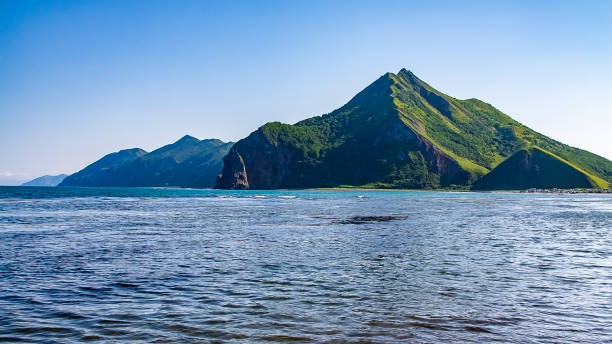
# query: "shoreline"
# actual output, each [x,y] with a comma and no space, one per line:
[357,189]
[377,190]
[528,191]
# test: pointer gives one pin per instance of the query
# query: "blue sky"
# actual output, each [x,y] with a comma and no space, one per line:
[80,79]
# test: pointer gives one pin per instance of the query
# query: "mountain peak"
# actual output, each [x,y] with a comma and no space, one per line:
[187,139]
[132,151]
[409,76]
[405,71]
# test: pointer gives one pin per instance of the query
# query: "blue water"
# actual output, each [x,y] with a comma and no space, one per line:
[171,265]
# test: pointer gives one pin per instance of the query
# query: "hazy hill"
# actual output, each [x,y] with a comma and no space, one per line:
[398,132]
[46,180]
[188,162]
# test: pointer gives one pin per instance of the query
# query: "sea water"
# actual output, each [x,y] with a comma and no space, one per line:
[173,265]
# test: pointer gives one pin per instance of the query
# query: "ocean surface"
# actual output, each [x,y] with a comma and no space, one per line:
[205,266]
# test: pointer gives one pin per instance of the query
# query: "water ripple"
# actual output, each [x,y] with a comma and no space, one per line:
[173,266]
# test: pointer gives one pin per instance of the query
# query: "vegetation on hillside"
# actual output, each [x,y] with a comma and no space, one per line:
[188,162]
[535,168]
[399,132]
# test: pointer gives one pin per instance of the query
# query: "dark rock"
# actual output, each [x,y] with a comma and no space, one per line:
[357,220]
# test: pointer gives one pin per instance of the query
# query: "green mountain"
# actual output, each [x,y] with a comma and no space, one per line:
[188,162]
[106,171]
[398,132]
[535,168]
[46,180]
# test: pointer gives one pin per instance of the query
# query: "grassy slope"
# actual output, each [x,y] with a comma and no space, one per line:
[188,162]
[596,181]
[339,147]
[333,149]
[478,132]
[103,171]
[535,167]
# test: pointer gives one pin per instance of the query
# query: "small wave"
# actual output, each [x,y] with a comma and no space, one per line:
[283,338]
[406,324]
[477,329]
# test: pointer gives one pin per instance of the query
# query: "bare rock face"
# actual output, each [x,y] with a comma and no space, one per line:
[234,174]
[254,163]
[449,170]
[438,162]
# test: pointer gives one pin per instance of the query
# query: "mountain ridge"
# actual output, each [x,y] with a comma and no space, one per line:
[398,132]
[187,162]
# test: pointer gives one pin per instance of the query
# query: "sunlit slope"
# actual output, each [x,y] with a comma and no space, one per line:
[398,132]
[536,168]
[478,132]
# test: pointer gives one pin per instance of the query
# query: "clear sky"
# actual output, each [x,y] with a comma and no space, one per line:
[80,79]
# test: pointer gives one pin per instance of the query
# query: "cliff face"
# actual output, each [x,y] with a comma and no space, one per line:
[398,132]
[233,175]
[267,161]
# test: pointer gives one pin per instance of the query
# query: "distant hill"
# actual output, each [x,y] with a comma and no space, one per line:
[188,162]
[105,172]
[46,180]
[399,132]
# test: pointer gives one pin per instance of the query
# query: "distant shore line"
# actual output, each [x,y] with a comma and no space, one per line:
[531,190]
[359,189]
